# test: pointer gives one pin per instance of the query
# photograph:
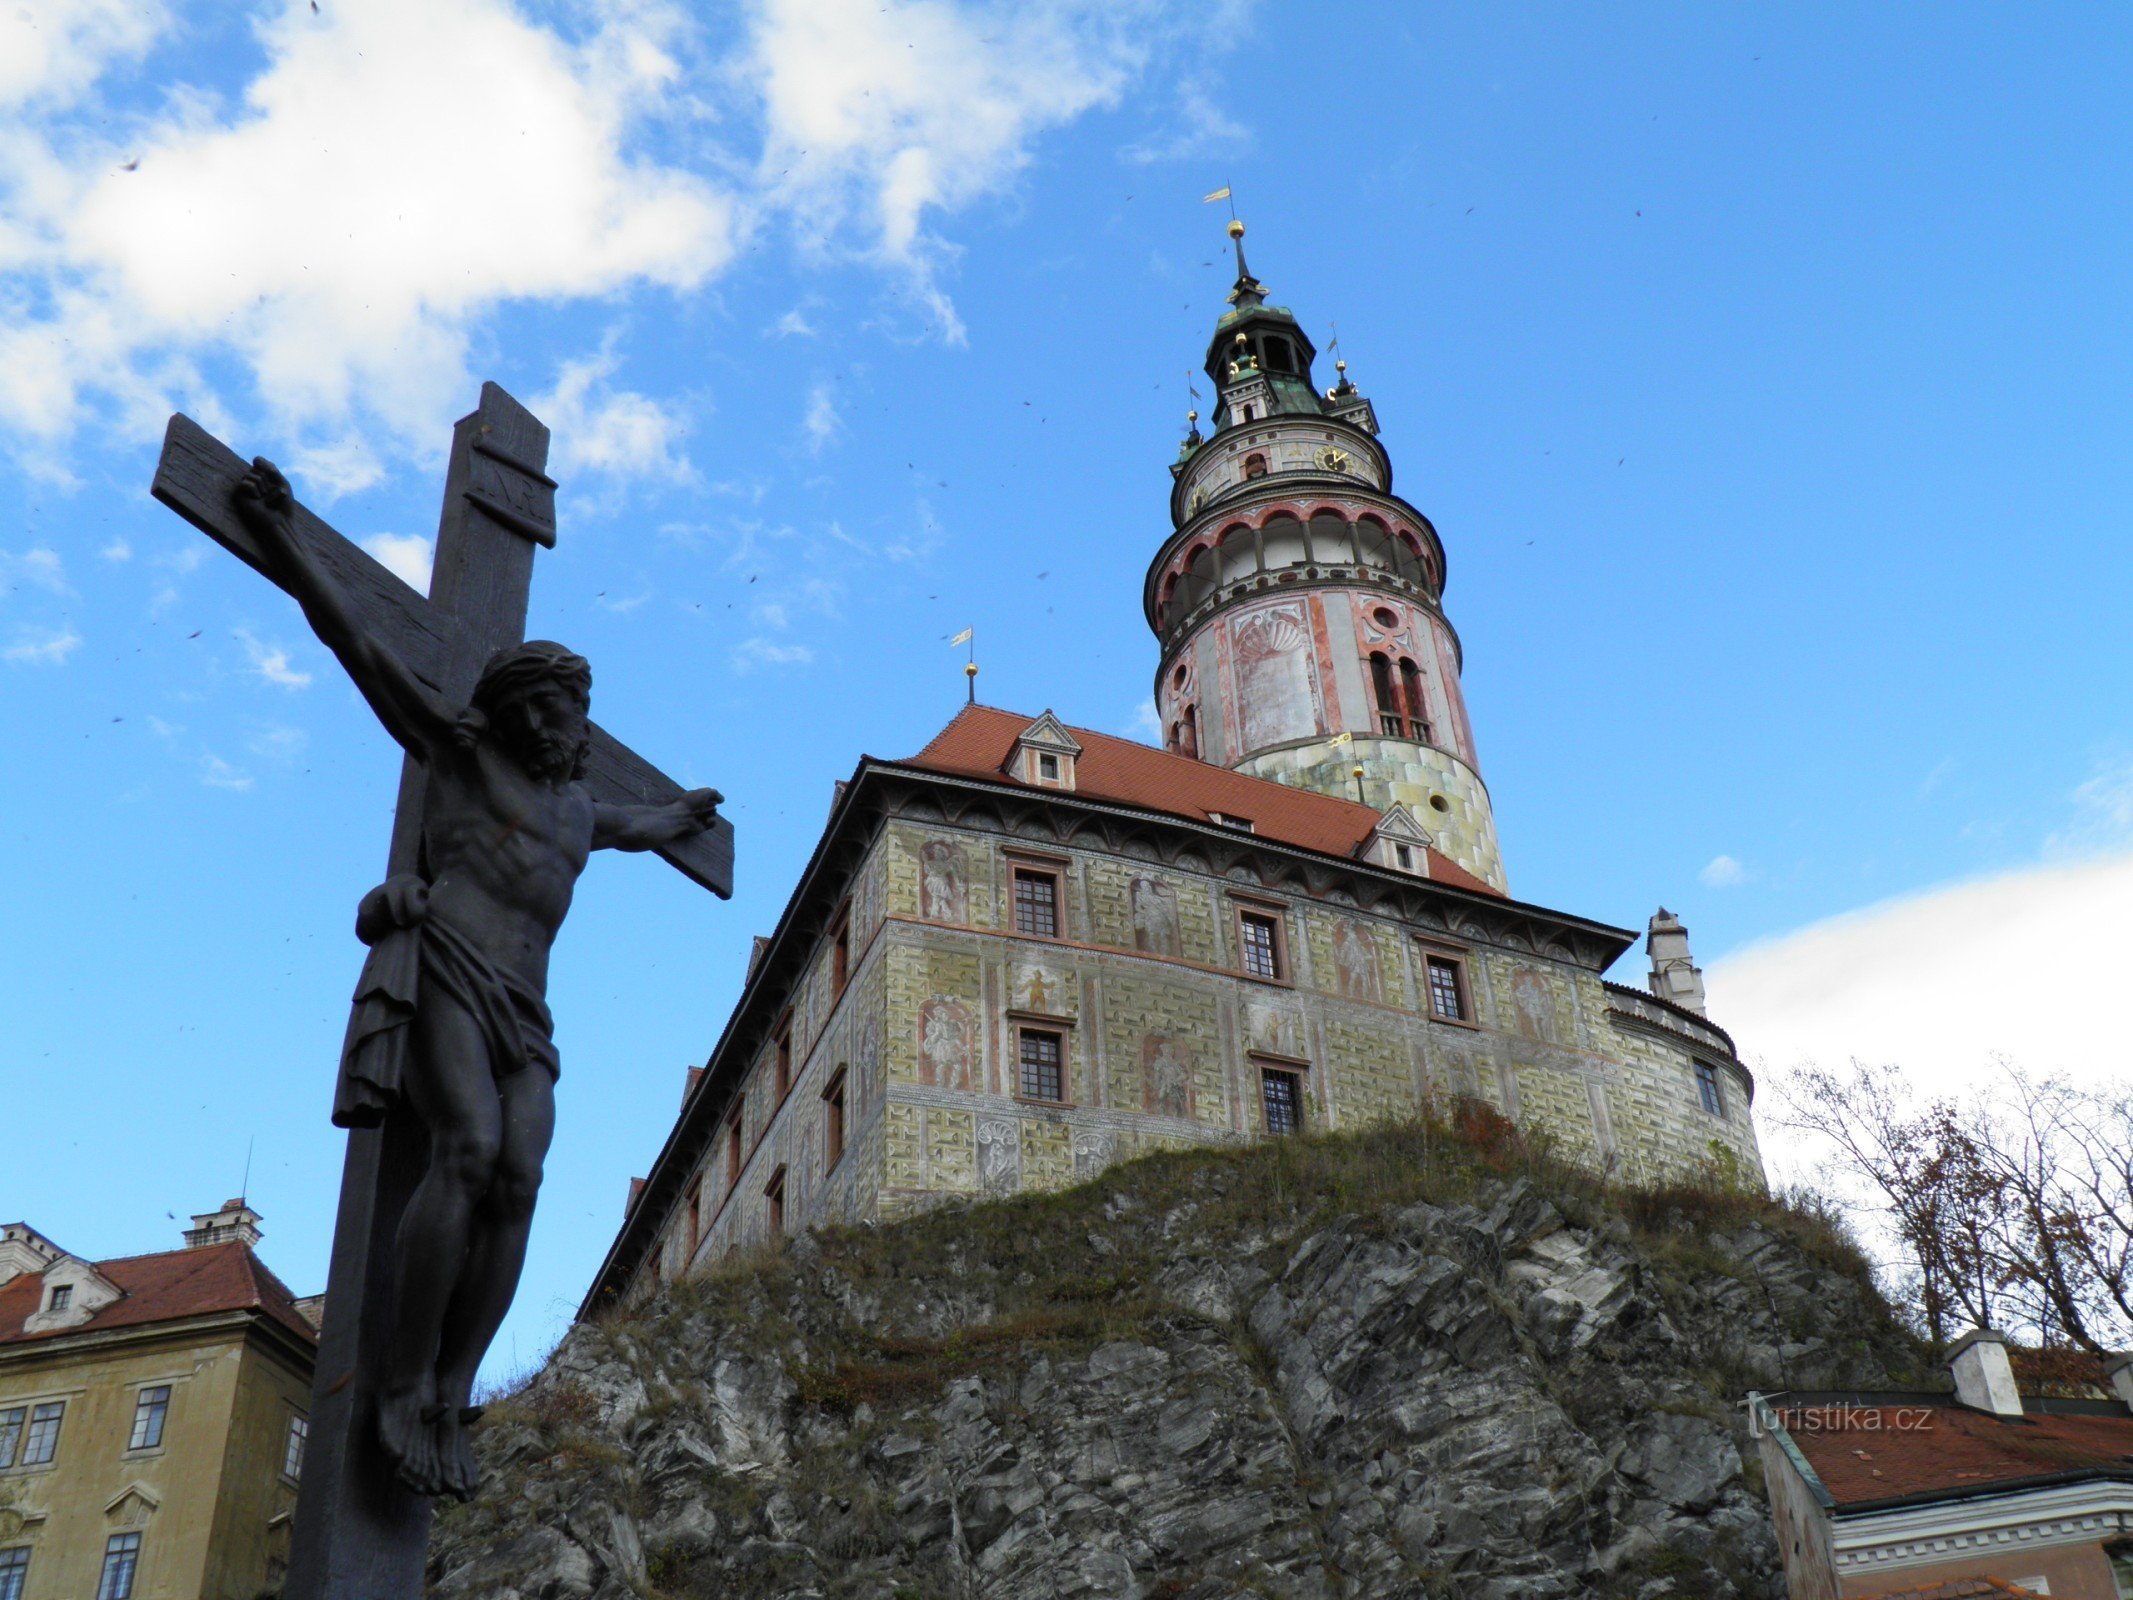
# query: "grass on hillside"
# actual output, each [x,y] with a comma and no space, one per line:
[1073,1268]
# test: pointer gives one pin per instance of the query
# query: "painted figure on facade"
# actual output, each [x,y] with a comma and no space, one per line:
[944,892]
[1169,1079]
[1155,917]
[451,1014]
[1357,962]
[944,1043]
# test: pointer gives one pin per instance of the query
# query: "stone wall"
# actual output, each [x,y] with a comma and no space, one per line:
[1164,1039]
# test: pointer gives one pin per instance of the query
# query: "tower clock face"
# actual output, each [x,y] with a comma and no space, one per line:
[1334,459]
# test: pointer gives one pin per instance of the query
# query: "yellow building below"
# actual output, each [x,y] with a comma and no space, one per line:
[152,1417]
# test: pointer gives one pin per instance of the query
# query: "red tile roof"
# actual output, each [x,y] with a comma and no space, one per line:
[1960,1589]
[164,1288]
[1868,1453]
[981,740]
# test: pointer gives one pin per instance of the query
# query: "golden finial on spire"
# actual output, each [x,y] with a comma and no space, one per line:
[1236,228]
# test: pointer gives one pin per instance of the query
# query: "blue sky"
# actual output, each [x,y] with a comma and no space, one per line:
[1762,372]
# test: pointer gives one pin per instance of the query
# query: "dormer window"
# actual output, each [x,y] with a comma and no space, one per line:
[1045,754]
[1241,824]
[62,1296]
[1403,857]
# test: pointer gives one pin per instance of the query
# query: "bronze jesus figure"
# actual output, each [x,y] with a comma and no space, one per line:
[451,1011]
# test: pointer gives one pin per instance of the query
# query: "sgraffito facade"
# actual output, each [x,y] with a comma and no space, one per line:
[1032,950]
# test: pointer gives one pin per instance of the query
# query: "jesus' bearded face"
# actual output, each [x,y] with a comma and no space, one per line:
[546,728]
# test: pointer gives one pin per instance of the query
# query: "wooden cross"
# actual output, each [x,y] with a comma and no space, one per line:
[359,1535]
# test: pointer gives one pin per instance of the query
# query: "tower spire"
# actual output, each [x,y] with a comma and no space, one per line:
[1249,290]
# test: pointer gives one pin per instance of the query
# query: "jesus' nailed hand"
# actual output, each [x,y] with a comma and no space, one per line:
[451,1013]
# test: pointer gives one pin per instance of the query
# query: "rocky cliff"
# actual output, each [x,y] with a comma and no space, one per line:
[1423,1361]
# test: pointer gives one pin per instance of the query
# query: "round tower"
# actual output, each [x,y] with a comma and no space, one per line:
[1298,599]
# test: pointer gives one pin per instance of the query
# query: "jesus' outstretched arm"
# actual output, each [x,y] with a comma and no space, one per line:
[413,713]
[652,827]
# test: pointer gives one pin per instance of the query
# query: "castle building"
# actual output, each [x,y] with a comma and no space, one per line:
[1985,1491]
[153,1411]
[1032,949]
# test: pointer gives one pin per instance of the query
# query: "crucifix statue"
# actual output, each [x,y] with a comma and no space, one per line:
[448,1071]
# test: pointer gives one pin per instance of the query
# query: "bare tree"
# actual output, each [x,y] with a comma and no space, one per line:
[2011,1208]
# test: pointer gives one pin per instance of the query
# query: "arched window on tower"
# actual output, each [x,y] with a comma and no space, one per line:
[1255,464]
[1376,544]
[1240,554]
[1331,543]
[1409,558]
[1388,697]
[1189,733]
[1283,541]
[1417,704]
[1279,356]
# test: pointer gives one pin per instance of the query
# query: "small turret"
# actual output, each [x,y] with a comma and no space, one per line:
[1675,977]
[235,1220]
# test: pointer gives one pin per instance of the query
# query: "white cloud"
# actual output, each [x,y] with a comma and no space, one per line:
[347,465]
[753,653]
[1147,725]
[271,662]
[1201,127]
[1722,872]
[341,231]
[53,49]
[2103,812]
[279,744]
[319,250]
[217,773]
[610,430]
[43,647]
[406,556]
[2026,965]
[792,325]
[117,550]
[822,424]
[40,567]
[878,113]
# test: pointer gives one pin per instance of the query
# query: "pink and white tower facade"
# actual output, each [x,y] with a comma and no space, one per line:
[1298,600]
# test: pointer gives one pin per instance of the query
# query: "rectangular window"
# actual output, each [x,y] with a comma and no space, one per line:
[1040,1058]
[1037,902]
[11,1422]
[734,1152]
[121,1556]
[774,1200]
[41,1443]
[841,953]
[1259,942]
[62,1297]
[1447,988]
[1048,768]
[1241,824]
[14,1572]
[292,1448]
[833,1121]
[784,1059]
[1281,1094]
[1707,1089]
[149,1411]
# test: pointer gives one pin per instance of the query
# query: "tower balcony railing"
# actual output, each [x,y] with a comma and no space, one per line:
[1182,617]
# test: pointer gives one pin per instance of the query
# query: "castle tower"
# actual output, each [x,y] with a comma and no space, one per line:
[1298,599]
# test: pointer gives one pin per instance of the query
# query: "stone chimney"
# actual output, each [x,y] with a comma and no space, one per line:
[2118,1371]
[1984,1379]
[235,1220]
[24,1249]
[1674,977]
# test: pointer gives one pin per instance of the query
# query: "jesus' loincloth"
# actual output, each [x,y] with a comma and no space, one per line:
[512,1015]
